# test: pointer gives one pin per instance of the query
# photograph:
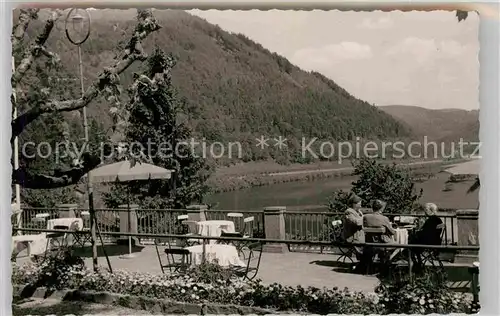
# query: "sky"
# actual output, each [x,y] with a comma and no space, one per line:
[425,59]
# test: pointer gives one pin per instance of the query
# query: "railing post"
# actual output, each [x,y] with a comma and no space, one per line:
[67,210]
[127,216]
[197,212]
[274,228]
[468,235]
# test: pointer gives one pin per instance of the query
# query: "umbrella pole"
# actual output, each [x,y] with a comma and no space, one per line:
[93,222]
[129,226]
[130,255]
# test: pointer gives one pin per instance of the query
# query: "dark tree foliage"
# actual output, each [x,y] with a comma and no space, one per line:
[389,183]
[156,124]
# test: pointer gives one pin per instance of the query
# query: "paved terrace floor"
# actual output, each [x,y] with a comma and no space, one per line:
[293,268]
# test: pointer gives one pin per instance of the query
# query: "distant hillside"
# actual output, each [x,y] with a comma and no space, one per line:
[234,89]
[442,125]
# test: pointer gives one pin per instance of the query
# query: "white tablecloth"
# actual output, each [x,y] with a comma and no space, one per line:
[401,236]
[65,222]
[223,255]
[37,243]
[214,228]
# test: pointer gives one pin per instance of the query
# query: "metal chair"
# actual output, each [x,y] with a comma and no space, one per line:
[374,235]
[192,232]
[56,241]
[346,252]
[246,233]
[172,264]
[248,227]
[432,256]
[236,218]
[83,238]
[252,255]
[40,220]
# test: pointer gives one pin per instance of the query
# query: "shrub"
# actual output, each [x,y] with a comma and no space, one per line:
[378,181]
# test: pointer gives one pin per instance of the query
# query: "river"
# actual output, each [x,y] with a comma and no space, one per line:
[297,195]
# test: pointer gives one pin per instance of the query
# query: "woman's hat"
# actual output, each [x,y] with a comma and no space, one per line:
[378,205]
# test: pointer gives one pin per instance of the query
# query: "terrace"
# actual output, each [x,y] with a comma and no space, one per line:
[306,255]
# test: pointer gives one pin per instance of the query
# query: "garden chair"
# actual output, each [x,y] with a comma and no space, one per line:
[40,220]
[432,256]
[246,233]
[178,259]
[83,238]
[191,232]
[374,235]
[57,241]
[236,218]
[251,254]
[346,252]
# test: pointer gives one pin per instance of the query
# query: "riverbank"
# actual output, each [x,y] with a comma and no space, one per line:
[264,173]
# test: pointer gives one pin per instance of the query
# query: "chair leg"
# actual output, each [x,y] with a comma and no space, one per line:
[159,258]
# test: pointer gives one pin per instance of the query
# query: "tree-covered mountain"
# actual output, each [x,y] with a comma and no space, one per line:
[444,125]
[233,89]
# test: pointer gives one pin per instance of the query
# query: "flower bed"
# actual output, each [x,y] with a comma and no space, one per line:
[209,283]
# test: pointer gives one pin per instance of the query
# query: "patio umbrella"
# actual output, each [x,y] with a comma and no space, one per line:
[123,171]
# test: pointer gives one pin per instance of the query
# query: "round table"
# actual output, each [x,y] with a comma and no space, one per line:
[214,228]
[401,236]
[35,244]
[67,222]
[223,255]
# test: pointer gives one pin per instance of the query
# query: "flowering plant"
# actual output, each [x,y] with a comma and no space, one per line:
[426,293]
[210,283]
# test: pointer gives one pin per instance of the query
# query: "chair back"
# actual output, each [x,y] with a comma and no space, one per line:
[247,227]
[75,226]
[442,229]
[336,223]
[233,235]
[374,230]
[235,215]
[57,234]
[182,217]
[176,251]
[191,226]
[373,234]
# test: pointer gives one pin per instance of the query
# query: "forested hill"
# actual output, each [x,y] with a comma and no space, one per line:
[234,88]
[444,125]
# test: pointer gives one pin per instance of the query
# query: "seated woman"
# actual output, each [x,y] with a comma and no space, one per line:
[353,224]
[429,233]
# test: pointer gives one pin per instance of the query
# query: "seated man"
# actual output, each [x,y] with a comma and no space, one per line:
[377,220]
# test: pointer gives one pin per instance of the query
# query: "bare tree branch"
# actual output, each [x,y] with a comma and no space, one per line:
[19,29]
[134,51]
[35,49]
[59,178]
